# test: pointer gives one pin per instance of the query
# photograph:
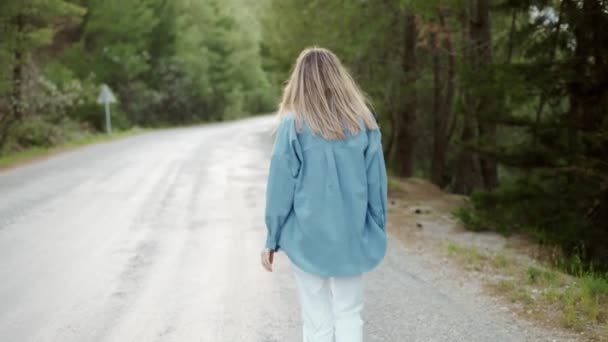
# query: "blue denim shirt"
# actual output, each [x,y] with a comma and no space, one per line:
[326,200]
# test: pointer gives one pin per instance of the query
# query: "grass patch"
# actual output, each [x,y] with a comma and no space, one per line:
[470,219]
[540,276]
[33,153]
[578,303]
[552,295]
[513,291]
[505,287]
[471,256]
[500,261]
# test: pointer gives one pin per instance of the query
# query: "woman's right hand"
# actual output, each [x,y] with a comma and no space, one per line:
[267,258]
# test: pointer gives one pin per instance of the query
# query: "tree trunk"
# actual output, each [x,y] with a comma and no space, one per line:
[404,137]
[481,38]
[442,105]
[438,158]
[468,175]
[468,172]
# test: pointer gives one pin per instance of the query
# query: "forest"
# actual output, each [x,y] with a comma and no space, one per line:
[170,63]
[502,100]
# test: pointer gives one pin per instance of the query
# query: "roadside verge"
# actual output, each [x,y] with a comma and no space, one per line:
[510,270]
[32,154]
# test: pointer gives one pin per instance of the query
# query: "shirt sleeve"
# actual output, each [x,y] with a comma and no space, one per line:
[376,178]
[284,169]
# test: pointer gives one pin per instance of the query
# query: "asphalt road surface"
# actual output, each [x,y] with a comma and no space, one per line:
[156,237]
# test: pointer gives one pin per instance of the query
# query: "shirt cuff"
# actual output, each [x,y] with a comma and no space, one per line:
[271,243]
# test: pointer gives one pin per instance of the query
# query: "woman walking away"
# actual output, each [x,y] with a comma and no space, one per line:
[326,195]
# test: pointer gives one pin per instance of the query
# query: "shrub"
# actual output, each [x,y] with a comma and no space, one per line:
[553,212]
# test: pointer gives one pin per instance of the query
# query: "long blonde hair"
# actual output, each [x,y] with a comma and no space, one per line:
[322,94]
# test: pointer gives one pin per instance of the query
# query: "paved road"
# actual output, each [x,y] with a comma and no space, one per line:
[156,238]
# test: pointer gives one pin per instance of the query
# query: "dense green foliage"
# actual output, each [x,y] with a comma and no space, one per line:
[505,99]
[169,62]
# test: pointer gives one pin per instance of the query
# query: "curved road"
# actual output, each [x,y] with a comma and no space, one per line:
[156,238]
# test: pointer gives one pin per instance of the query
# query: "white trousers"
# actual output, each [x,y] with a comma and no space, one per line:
[331,307]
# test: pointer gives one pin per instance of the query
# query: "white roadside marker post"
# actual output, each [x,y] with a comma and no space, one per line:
[106,98]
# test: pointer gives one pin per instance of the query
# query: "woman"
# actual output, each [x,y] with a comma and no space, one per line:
[326,195]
